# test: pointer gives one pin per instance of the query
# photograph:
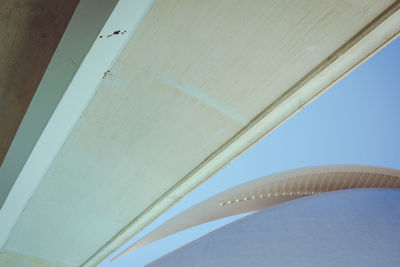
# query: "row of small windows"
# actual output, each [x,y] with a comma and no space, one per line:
[270,195]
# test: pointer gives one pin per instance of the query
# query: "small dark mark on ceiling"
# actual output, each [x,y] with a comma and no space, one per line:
[73,62]
[114,33]
[107,74]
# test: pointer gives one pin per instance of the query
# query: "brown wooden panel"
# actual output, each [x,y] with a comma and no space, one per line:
[30,31]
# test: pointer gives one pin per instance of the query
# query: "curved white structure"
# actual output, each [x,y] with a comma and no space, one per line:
[271,190]
[358,228]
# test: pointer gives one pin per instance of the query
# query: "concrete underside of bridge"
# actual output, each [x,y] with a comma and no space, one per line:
[111,111]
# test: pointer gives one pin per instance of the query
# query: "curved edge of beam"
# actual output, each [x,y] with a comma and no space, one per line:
[271,190]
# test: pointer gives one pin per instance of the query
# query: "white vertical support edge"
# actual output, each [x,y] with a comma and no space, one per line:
[88,19]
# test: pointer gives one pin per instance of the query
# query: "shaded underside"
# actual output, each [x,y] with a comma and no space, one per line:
[30,31]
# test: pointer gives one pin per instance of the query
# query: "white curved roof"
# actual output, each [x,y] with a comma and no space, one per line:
[271,190]
[357,228]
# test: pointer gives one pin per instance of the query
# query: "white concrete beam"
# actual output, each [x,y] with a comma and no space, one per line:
[349,56]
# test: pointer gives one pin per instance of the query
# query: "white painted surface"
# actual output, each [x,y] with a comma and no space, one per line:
[8,259]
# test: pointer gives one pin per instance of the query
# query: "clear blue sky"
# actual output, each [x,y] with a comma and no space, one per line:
[356,122]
